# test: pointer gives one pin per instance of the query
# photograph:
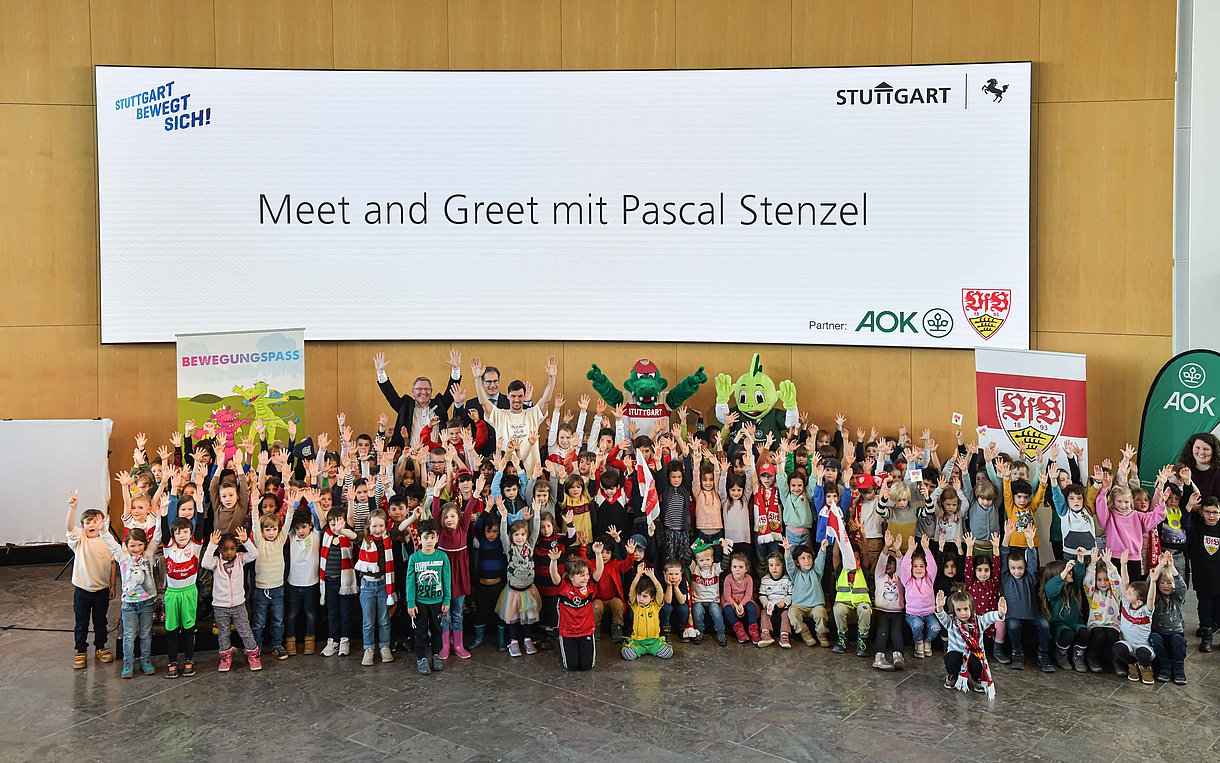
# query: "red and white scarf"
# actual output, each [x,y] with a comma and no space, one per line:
[767,518]
[369,563]
[972,638]
[347,568]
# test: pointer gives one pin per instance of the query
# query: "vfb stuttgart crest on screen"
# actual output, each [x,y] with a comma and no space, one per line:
[1032,419]
[986,309]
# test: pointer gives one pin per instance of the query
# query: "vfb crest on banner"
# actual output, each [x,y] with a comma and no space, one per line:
[986,309]
[1032,419]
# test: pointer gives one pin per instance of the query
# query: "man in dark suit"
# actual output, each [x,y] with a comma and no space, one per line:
[415,410]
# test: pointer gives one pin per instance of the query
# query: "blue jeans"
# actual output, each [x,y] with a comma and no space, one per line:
[454,621]
[137,615]
[751,618]
[1169,648]
[338,610]
[797,539]
[268,604]
[667,615]
[1014,633]
[766,549]
[301,598]
[376,612]
[705,608]
[924,627]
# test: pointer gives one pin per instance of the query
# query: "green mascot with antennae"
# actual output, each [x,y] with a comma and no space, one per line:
[754,395]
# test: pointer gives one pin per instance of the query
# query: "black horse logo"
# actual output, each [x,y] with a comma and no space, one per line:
[992,88]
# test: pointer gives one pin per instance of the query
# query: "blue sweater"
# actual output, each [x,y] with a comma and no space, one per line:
[1021,594]
[806,584]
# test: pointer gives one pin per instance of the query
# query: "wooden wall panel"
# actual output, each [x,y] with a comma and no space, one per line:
[391,34]
[942,383]
[49,372]
[292,34]
[136,386]
[48,232]
[1120,368]
[1100,50]
[957,31]
[44,52]
[618,34]
[504,34]
[322,384]
[870,386]
[153,32]
[726,34]
[851,32]
[1105,217]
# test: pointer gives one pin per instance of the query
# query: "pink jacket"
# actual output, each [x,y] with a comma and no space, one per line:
[1126,531]
[737,593]
[921,592]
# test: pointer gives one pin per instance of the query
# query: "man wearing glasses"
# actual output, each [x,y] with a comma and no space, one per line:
[415,410]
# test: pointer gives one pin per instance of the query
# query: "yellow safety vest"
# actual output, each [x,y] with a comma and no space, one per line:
[854,592]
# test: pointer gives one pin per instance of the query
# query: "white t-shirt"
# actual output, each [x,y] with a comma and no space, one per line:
[518,426]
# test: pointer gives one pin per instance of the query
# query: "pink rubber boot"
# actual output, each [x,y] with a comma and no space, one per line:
[444,653]
[458,647]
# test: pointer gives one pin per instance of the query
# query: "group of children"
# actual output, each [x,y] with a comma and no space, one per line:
[786,538]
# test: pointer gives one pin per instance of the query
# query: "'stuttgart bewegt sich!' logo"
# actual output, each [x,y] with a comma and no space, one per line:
[167,103]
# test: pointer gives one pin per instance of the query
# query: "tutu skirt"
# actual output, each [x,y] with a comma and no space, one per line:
[519,606]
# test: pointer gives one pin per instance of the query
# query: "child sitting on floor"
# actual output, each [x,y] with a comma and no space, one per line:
[966,666]
[645,618]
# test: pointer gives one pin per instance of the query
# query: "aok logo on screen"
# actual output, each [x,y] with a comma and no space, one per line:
[984,309]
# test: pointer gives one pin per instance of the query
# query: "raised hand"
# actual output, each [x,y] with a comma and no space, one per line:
[455,359]
[1002,607]
[552,367]
[379,362]
[476,366]
[583,402]
[940,601]
[240,532]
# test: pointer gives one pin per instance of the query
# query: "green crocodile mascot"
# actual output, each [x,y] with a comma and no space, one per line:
[645,411]
[755,395]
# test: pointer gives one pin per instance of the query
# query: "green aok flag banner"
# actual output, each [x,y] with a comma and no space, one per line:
[1181,402]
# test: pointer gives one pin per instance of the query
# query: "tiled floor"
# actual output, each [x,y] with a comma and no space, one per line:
[707,703]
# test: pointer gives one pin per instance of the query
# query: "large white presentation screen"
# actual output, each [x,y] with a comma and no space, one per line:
[870,206]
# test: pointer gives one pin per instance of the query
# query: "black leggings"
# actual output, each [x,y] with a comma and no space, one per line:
[187,639]
[1101,642]
[888,626]
[518,631]
[427,625]
[1066,637]
[485,598]
[1123,656]
[953,665]
[577,652]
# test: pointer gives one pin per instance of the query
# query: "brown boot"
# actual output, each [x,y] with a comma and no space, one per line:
[291,646]
[823,640]
[308,645]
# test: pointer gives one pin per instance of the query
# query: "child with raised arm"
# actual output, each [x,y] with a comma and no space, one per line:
[918,575]
[1061,598]
[808,599]
[135,558]
[983,585]
[268,596]
[301,583]
[966,666]
[1076,524]
[852,602]
[375,572]
[1102,587]
[768,519]
[1133,652]
[1125,527]
[1168,631]
[576,643]
[229,594]
[645,618]
[519,603]
[181,596]
[428,596]
[735,492]
[1020,587]
[454,528]
[92,572]
[1021,502]
[889,603]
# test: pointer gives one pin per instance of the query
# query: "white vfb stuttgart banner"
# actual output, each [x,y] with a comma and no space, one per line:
[869,206]
[1029,400]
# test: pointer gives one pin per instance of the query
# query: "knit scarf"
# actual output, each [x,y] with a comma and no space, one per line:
[347,569]
[767,516]
[368,563]
[971,636]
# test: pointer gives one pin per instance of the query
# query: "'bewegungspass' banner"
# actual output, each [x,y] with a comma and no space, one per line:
[859,206]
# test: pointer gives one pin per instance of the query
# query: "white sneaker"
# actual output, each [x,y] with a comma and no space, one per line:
[368,657]
[331,647]
[345,647]
[514,649]
[386,654]
[529,647]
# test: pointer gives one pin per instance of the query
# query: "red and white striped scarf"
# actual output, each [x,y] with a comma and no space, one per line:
[347,568]
[368,562]
[972,638]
